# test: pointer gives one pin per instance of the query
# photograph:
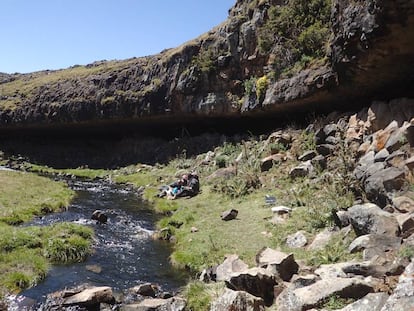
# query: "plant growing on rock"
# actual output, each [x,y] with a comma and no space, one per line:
[261,87]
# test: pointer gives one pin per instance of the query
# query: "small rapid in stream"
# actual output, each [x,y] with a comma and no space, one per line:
[124,254]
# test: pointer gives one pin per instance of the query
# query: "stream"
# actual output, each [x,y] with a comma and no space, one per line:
[124,255]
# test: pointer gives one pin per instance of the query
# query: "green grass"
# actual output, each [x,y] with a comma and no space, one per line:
[27,252]
[25,195]
[83,173]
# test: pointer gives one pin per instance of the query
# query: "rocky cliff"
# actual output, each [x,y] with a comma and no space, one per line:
[268,56]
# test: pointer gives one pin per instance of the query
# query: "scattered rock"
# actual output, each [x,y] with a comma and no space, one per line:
[304,298]
[91,297]
[256,281]
[268,162]
[369,218]
[237,301]
[147,289]
[194,229]
[381,155]
[281,210]
[94,268]
[375,245]
[232,264]
[321,239]
[296,240]
[99,216]
[278,263]
[302,170]
[229,214]
[308,155]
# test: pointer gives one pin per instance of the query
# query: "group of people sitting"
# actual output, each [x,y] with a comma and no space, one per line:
[187,186]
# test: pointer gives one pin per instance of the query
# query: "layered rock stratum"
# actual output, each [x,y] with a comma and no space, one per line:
[243,67]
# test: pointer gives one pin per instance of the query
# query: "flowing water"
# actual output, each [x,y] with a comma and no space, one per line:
[124,255]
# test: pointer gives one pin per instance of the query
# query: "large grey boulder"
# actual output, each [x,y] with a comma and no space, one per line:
[232,264]
[375,245]
[91,297]
[296,240]
[344,269]
[304,298]
[369,218]
[278,263]
[237,301]
[402,298]
[371,302]
[322,239]
[384,181]
[256,281]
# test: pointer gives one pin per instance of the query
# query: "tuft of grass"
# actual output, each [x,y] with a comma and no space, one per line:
[27,251]
[199,295]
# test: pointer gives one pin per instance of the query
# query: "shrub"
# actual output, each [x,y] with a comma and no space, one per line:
[197,296]
[300,27]
[312,39]
[250,86]
[261,87]
[221,161]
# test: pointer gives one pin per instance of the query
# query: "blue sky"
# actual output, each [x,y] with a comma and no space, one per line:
[53,34]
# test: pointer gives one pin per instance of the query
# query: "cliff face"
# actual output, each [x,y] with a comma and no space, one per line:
[257,61]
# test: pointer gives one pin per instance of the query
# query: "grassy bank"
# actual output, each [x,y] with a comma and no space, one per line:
[27,252]
[312,203]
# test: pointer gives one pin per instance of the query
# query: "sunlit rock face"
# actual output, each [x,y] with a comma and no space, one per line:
[231,71]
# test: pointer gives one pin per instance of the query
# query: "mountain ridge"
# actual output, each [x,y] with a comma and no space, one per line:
[363,51]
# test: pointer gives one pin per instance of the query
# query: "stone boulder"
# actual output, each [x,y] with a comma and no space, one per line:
[321,239]
[345,269]
[296,240]
[382,182]
[229,214]
[99,216]
[278,263]
[302,170]
[268,162]
[308,155]
[256,281]
[237,301]
[374,245]
[170,304]
[369,218]
[232,264]
[402,298]
[91,297]
[146,289]
[304,298]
